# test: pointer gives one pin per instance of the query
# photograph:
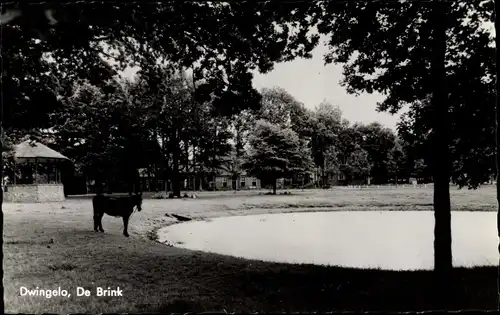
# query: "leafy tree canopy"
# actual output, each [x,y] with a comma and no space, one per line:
[223,42]
[384,47]
[276,152]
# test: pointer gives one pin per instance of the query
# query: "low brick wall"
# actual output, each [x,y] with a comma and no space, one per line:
[34,193]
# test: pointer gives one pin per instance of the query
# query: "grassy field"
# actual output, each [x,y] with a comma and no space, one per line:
[53,245]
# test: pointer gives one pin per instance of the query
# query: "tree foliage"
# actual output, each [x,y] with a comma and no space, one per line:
[98,127]
[276,152]
[384,48]
[378,142]
[222,41]
[357,165]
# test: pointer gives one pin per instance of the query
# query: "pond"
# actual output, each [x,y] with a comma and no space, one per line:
[391,240]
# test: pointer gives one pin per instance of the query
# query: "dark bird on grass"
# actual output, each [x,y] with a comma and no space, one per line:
[180,218]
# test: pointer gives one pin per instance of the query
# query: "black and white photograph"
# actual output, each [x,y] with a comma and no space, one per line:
[249,156]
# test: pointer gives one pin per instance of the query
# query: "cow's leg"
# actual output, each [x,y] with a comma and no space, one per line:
[125,224]
[100,222]
[96,222]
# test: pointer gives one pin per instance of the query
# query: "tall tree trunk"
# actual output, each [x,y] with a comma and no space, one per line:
[154,183]
[2,149]
[99,183]
[497,126]
[239,156]
[201,168]
[196,121]
[164,163]
[176,185]
[214,157]
[186,158]
[322,168]
[137,181]
[441,161]
[195,170]
[323,177]
[130,178]
[274,185]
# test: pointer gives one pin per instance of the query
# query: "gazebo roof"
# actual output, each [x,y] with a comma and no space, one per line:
[33,150]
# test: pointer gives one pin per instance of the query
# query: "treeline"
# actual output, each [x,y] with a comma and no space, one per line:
[156,123]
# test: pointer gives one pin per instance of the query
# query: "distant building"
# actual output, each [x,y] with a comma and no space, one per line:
[223,181]
[226,181]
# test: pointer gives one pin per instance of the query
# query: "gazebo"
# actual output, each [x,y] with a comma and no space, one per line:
[37,174]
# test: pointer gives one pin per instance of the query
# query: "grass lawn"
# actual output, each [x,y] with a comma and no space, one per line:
[53,245]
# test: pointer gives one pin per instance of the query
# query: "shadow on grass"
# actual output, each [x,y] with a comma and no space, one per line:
[315,288]
[22,242]
[63,267]
[351,289]
[160,279]
[175,306]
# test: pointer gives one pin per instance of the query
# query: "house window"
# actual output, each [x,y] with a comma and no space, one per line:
[243,181]
[224,182]
[254,182]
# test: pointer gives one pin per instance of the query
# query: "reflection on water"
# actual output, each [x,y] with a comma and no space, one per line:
[388,240]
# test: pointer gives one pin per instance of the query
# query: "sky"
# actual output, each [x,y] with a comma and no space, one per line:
[311,82]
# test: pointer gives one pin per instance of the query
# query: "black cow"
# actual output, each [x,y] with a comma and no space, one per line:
[117,207]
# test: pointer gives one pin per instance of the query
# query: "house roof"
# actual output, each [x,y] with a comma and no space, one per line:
[33,150]
[227,173]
